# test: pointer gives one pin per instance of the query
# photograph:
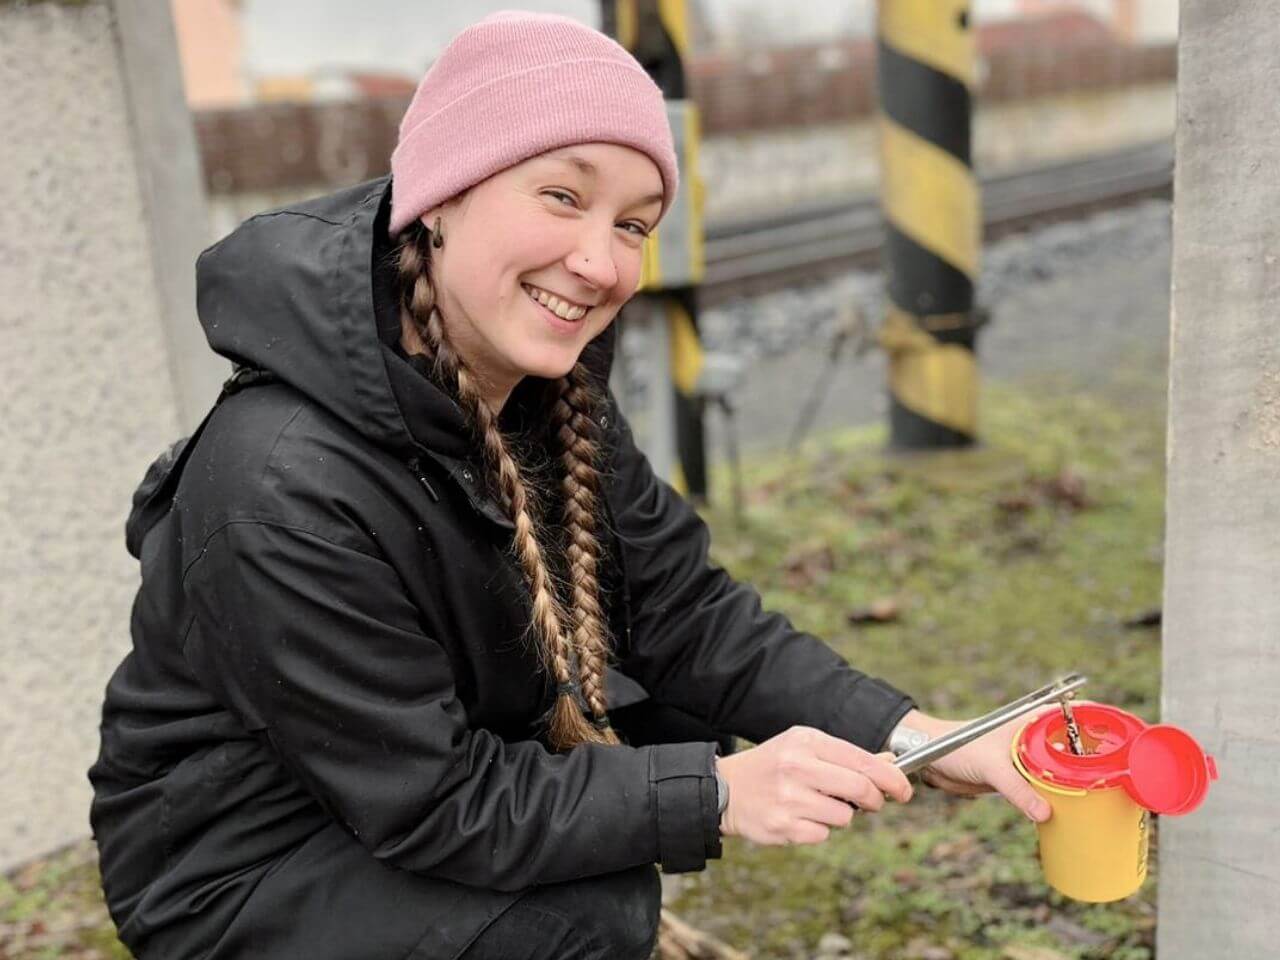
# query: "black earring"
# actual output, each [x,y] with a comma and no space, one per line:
[437,237]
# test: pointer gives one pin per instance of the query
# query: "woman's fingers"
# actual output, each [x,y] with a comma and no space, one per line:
[799,785]
[823,809]
[848,785]
[878,768]
[807,831]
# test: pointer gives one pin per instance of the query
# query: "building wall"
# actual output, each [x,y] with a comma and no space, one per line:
[1157,21]
[87,378]
[762,170]
[88,401]
[211,44]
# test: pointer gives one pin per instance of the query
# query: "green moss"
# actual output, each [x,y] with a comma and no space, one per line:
[1011,563]
[53,907]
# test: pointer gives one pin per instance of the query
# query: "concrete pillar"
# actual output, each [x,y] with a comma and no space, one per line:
[101,216]
[1220,866]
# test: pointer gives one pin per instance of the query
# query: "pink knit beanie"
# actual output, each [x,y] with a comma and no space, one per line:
[513,86]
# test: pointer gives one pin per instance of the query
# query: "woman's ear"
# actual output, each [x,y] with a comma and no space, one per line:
[445,209]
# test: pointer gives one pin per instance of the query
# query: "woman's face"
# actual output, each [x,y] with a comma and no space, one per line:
[568,224]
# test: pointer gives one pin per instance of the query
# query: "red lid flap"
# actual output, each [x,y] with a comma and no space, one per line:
[1168,771]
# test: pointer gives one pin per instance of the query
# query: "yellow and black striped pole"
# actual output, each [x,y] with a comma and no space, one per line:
[931,205]
[657,32]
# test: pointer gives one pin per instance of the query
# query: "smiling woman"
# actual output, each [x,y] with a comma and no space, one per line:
[398,585]
[540,257]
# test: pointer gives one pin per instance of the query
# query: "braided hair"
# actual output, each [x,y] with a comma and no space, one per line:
[572,633]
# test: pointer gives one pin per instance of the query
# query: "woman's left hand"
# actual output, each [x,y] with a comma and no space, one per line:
[983,766]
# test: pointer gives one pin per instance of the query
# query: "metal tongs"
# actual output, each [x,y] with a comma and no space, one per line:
[1060,690]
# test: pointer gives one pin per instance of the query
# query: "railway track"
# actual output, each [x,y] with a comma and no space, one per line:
[751,256]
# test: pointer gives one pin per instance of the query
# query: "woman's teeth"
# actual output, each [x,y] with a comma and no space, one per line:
[557,306]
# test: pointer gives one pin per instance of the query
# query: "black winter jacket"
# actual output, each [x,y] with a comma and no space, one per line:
[331,706]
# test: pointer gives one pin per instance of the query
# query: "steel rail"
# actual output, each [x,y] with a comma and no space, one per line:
[747,256]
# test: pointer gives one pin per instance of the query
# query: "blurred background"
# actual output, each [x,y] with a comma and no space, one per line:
[968,544]
[293,99]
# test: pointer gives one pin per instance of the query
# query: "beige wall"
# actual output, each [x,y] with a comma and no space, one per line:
[211,44]
[756,171]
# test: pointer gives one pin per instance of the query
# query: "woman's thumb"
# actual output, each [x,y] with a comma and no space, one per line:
[1021,794]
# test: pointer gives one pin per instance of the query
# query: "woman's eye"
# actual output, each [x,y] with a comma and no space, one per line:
[562,195]
[640,230]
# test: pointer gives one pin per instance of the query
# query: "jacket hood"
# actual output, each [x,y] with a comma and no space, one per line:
[309,293]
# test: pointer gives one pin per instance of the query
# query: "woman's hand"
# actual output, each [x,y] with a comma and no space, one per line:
[982,766]
[796,786]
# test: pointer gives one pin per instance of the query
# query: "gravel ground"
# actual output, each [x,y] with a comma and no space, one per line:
[1080,300]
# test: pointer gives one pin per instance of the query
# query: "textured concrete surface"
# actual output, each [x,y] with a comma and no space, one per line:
[1220,867]
[168,164]
[87,401]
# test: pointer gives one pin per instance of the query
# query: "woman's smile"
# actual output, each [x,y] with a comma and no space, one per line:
[563,315]
[562,307]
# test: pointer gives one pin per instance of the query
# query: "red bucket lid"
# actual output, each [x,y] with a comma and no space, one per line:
[1168,771]
[1107,732]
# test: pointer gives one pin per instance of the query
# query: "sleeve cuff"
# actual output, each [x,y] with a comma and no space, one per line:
[869,712]
[682,777]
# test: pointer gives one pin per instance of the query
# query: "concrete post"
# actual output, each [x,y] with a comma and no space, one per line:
[101,215]
[1220,867]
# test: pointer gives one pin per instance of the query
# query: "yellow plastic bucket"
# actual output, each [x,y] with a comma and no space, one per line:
[1094,847]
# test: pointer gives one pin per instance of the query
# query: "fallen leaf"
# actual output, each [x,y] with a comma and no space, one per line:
[1016,951]
[1015,503]
[806,566]
[906,877]
[921,949]
[29,874]
[1074,932]
[963,848]
[884,610]
[1067,488]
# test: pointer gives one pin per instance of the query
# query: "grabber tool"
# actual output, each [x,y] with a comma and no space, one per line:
[919,757]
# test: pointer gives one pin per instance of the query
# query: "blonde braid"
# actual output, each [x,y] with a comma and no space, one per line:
[581,486]
[567,726]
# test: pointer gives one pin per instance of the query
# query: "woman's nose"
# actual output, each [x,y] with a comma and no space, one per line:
[592,260]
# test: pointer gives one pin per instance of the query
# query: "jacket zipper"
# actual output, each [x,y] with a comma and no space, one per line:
[622,570]
[416,466]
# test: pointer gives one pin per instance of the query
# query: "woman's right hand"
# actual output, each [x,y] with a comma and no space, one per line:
[796,786]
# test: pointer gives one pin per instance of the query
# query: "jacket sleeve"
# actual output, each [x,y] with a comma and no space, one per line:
[700,640]
[317,646]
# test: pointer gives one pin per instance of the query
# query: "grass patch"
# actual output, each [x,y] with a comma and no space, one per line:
[52,909]
[1007,565]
